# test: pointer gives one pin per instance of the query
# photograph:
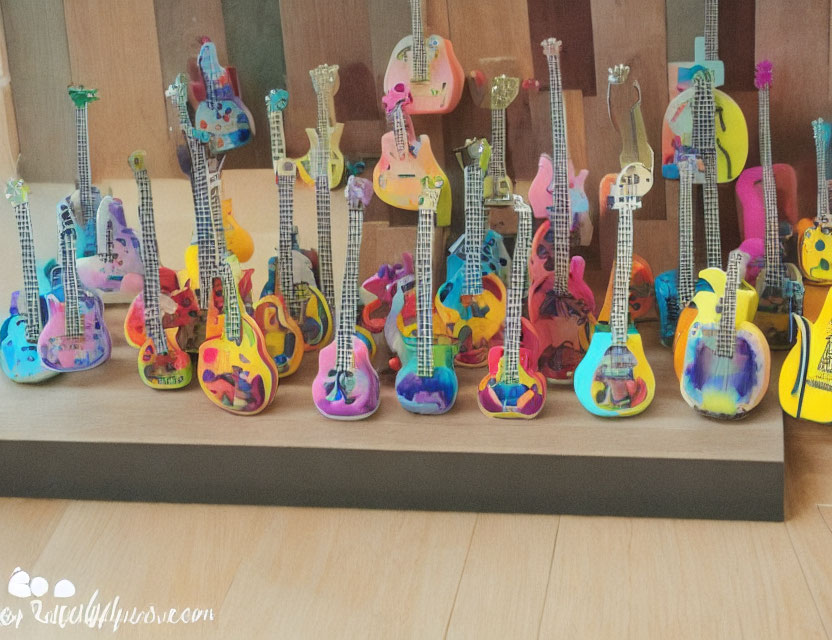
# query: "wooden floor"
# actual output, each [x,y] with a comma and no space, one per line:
[317,573]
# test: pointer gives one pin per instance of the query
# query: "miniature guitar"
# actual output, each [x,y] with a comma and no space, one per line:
[307,305]
[470,306]
[377,292]
[324,141]
[221,113]
[727,359]
[513,387]
[779,285]
[731,131]
[347,386]
[497,187]
[428,66]
[406,159]
[815,237]
[544,185]
[235,371]
[75,337]
[427,382]
[162,362]
[675,288]
[806,376]
[86,198]
[614,378]
[19,333]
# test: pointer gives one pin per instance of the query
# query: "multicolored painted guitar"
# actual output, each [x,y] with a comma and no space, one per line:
[235,370]
[162,362]
[221,112]
[545,183]
[86,199]
[324,150]
[470,306]
[779,285]
[513,387]
[427,382]
[805,384]
[377,292]
[347,386]
[614,378]
[428,66]
[727,359]
[75,337]
[498,188]
[731,131]
[814,248]
[19,332]
[406,159]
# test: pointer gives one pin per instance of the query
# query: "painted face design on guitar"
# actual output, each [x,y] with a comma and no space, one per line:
[815,236]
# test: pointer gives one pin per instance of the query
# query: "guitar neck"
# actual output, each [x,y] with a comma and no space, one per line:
[150,259]
[497,162]
[400,137]
[344,357]
[726,338]
[621,279]
[419,58]
[824,188]
[73,326]
[685,274]
[215,186]
[322,201]
[84,170]
[704,140]
[206,250]
[286,193]
[34,321]
[278,141]
[514,312]
[560,213]
[424,291]
[712,30]
[474,228]
[231,303]
[322,159]
[774,275]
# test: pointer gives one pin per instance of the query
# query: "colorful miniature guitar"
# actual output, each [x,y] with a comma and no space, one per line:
[727,359]
[222,113]
[86,199]
[324,141]
[427,382]
[806,376]
[780,286]
[675,288]
[162,362]
[346,386]
[406,159]
[614,378]
[235,371]
[513,387]
[731,131]
[377,292]
[19,333]
[543,187]
[428,66]
[497,187]
[470,306]
[815,237]
[75,337]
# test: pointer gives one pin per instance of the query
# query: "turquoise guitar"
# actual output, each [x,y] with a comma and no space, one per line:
[85,200]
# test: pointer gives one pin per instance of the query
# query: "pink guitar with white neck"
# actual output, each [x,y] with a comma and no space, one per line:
[428,66]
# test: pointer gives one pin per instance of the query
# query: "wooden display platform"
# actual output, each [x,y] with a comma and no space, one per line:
[101,434]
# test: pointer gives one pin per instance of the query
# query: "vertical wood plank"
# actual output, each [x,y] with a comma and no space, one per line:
[132,111]
[39,66]
[9,147]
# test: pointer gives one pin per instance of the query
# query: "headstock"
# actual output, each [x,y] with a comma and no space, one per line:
[17,191]
[474,151]
[325,79]
[703,79]
[287,167]
[177,93]
[399,94]
[504,90]
[277,100]
[520,205]
[359,192]
[429,198]
[762,74]
[136,160]
[66,221]
[82,96]
[618,74]
[625,193]
[551,47]
[207,59]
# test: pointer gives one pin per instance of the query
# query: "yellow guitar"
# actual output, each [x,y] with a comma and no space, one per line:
[814,237]
[497,187]
[326,138]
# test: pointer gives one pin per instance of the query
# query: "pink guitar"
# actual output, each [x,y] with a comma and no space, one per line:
[347,385]
[75,338]
[428,66]
[406,159]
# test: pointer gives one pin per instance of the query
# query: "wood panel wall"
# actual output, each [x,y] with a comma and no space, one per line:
[131,49]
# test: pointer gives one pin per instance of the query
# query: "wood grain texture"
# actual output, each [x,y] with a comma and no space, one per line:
[9,147]
[39,66]
[132,109]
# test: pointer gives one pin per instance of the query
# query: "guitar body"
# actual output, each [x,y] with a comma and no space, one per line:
[776,306]
[494,256]
[398,182]
[86,245]
[315,319]
[721,387]
[336,156]
[227,120]
[239,378]
[401,320]
[20,359]
[499,399]
[377,293]
[667,303]
[171,370]
[349,395]
[751,211]
[75,353]
[428,396]
[442,92]
[134,329]
[237,239]
[540,197]
[615,380]
[814,251]
[284,339]
[642,291]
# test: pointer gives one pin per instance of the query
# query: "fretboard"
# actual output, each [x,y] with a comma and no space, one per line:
[824,188]
[685,273]
[474,228]
[215,197]
[278,140]
[344,358]
[621,279]
[560,212]
[704,140]
[399,123]
[34,321]
[322,201]
[514,312]
[497,162]
[774,271]
[419,59]
[73,327]
[84,171]
[726,338]
[286,194]
[206,250]
[231,303]
[424,294]
[150,259]
[712,30]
